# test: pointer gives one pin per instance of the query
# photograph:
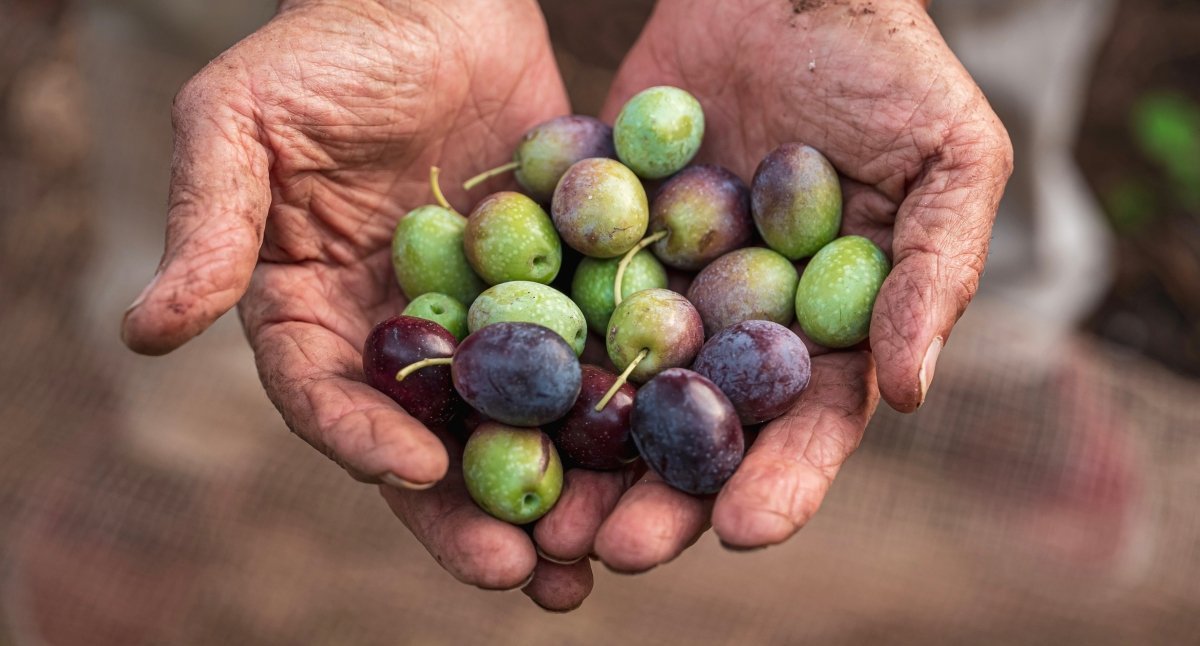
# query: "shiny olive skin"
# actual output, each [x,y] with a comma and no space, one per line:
[660,321]
[428,256]
[746,284]
[510,237]
[427,394]
[705,211]
[796,200]
[761,366]
[512,473]
[594,282]
[520,374]
[837,291]
[687,431]
[444,310]
[600,208]
[548,149]
[595,439]
[522,301]
[659,131]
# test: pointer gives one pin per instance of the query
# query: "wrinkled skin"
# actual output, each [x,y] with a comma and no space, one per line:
[925,161]
[298,149]
[296,152]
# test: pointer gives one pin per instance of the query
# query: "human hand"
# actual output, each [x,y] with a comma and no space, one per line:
[924,161]
[296,152]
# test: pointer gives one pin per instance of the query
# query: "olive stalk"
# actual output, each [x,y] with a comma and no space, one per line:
[612,391]
[423,363]
[434,172]
[627,258]
[490,173]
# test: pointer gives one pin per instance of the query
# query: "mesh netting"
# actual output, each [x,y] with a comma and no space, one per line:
[1044,494]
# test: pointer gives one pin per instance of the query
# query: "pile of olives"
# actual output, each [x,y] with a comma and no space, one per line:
[487,345]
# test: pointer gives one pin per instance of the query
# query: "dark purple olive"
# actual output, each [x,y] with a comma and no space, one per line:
[761,366]
[520,374]
[687,431]
[426,394]
[596,440]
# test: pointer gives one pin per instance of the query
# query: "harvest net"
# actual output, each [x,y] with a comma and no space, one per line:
[1046,492]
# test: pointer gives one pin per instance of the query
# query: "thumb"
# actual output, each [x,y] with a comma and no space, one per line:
[939,247]
[219,198]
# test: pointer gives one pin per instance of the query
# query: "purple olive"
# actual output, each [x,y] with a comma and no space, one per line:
[400,341]
[591,439]
[761,366]
[687,431]
[705,211]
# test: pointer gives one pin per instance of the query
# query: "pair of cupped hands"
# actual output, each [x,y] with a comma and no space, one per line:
[299,148]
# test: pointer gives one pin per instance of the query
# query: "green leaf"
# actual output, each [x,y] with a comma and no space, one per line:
[1167,129]
[1130,205]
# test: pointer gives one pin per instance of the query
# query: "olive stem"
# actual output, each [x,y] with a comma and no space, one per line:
[628,257]
[488,174]
[423,363]
[612,391]
[434,171]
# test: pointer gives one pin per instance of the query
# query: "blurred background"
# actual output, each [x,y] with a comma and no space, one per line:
[1046,492]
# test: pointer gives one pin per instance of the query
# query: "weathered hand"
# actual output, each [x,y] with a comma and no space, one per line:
[924,161]
[296,152]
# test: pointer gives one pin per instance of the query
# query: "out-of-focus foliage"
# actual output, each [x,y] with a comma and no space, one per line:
[1166,127]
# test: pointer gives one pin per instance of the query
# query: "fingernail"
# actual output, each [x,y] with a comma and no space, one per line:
[739,548]
[615,570]
[145,292]
[518,586]
[393,480]
[928,365]
[522,584]
[553,559]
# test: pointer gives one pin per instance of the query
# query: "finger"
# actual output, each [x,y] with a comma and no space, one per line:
[472,546]
[787,471]
[568,532]
[560,588]
[651,525]
[939,247]
[219,198]
[314,377]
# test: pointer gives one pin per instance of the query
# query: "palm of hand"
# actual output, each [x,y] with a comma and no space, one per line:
[923,160]
[297,151]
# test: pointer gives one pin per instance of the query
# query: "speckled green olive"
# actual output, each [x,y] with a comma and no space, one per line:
[513,473]
[662,323]
[509,237]
[659,131]
[523,301]
[427,255]
[745,285]
[592,288]
[796,200]
[441,309]
[600,208]
[837,291]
